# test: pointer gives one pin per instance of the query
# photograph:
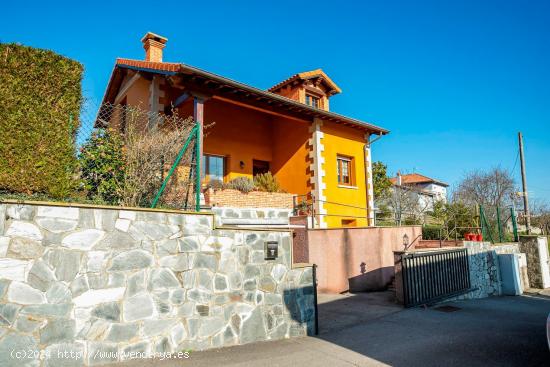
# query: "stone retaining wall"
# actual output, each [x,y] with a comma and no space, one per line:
[506,248]
[484,270]
[537,268]
[105,283]
[260,216]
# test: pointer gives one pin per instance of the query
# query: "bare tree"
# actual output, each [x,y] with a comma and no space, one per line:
[540,215]
[149,155]
[487,188]
[406,204]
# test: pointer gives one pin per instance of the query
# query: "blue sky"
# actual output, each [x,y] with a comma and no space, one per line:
[454,81]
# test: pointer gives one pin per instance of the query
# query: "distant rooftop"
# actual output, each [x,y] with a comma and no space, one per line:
[415,178]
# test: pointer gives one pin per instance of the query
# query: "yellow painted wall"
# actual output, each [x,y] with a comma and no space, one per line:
[339,139]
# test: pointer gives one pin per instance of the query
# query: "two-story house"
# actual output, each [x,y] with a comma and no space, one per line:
[425,190]
[288,130]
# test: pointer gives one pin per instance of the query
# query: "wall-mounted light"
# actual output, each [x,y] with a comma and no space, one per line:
[405,241]
[241,164]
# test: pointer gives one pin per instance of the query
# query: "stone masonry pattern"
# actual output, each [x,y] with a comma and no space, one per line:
[105,283]
[529,246]
[252,216]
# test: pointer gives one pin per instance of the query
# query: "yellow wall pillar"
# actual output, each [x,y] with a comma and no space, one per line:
[370,184]
[318,172]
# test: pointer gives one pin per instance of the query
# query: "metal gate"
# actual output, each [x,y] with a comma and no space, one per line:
[435,275]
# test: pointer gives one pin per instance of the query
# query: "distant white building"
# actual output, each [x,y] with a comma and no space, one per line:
[425,190]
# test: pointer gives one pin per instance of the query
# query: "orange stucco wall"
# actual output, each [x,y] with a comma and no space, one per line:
[291,160]
[347,141]
[239,134]
[242,134]
[138,94]
[356,259]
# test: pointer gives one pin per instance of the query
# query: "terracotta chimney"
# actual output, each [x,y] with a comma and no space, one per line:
[153,45]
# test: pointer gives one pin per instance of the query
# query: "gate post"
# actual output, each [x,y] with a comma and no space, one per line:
[398,269]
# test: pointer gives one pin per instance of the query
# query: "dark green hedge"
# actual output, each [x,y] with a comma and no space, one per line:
[431,232]
[40,92]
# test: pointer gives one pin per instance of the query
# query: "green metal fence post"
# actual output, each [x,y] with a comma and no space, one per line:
[499,225]
[198,169]
[485,229]
[514,224]
[173,168]
[481,224]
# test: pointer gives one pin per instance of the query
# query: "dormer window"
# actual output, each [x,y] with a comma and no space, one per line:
[312,101]
[313,88]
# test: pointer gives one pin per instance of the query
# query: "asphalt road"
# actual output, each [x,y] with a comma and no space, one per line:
[503,331]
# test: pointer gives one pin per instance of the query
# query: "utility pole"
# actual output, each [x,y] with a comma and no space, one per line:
[524,182]
[398,198]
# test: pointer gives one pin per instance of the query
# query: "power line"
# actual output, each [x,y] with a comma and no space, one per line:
[515,163]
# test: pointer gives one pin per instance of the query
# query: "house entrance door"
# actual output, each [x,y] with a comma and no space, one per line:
[259,167]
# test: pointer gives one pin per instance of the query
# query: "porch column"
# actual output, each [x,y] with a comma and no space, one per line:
[198,116]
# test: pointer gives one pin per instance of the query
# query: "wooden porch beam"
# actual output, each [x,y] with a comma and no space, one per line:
[124,89]
[184,97]
[245,105]
[198,116]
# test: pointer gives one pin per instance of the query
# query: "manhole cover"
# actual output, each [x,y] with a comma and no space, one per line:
[447,308]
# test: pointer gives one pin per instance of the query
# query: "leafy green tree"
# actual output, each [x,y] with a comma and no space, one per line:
[381,182]
[452,215]
[102,166]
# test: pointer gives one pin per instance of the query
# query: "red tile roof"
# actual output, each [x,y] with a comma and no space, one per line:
[414,178]
[164,66]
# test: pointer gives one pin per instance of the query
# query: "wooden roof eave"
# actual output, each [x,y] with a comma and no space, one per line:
[280,102]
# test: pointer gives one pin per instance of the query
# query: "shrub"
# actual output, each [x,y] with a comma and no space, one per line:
[430,232]
[215,184]
[149,154]
[266,182]
[40,100]
[128,167]
[102,165]
[243,184]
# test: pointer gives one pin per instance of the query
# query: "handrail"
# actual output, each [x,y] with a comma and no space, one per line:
[455,233]
[410,244]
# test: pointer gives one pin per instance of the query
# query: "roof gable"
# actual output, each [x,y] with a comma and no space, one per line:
[306,75]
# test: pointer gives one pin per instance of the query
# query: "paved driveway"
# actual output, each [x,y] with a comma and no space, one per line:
[504,331]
